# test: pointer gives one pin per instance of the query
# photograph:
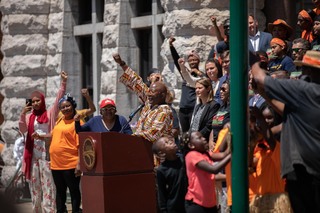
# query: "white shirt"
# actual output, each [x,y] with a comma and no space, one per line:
[255,41]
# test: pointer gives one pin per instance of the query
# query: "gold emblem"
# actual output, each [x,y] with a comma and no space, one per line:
[89,153]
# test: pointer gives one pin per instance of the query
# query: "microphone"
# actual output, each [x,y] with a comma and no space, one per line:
[131,116]
[135,111]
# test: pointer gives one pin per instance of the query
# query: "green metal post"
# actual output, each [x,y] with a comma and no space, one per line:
[239,92]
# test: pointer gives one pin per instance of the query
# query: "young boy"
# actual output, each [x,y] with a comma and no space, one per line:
[280,61]
[171,176]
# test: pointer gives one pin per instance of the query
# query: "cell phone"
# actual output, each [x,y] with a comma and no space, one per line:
[29,102]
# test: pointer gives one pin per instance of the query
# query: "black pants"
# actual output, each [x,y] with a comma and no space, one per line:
[62,180]
[192,207]
[185,115]
[303,190]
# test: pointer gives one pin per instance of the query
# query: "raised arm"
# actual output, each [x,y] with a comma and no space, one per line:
[174,52]
[92,107]
[215,168]
[24,119]
[186,75]
[131,79]
[54,110]
[259,77]
[216,28]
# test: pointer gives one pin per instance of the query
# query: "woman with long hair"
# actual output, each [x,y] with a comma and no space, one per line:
[205,109]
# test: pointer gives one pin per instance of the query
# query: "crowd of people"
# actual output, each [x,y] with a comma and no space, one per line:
[193,147]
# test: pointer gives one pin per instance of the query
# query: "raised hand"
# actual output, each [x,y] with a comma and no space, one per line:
[26,109]
[85,92]
[77,117]
[181,61]
[64,76]
[117,58]
[171,40]
[213,20]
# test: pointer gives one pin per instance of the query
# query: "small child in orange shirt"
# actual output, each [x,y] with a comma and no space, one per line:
[270,194]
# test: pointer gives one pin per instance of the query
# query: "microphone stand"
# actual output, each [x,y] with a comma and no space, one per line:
[131,117]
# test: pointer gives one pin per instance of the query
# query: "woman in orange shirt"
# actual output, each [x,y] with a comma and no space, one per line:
[64,157]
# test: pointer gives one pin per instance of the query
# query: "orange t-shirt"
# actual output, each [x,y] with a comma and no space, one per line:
[268,171]
[252,183]
[64,145]
[221,136]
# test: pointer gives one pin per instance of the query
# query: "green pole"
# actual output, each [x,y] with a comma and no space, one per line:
[238,103]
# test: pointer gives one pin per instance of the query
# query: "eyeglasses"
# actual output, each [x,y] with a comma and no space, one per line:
[110,109]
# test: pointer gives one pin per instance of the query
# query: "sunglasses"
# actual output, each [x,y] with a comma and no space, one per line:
[223,89]
[297,49]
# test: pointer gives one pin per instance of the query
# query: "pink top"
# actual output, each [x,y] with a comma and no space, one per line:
[201,189]
[52,113]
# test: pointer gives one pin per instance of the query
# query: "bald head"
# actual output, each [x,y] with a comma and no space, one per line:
[157,93]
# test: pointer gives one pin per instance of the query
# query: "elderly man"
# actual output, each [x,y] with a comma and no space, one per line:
[156,117]
[300,137]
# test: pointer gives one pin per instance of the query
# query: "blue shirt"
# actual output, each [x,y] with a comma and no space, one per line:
[285,63]
[96,124]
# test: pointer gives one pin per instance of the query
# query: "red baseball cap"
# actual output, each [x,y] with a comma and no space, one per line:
[106,102]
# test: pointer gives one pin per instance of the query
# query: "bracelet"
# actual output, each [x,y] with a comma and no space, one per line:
[122,63]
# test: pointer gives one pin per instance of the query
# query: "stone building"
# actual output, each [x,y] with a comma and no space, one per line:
[41,38]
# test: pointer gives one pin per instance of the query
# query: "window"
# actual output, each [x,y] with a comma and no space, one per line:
[148,25]
[89,36]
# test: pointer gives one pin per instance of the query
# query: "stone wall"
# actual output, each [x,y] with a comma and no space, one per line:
[38,43]
[189,22]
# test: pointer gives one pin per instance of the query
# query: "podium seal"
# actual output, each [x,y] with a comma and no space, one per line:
[89,153]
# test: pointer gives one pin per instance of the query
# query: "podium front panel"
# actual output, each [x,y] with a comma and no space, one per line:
[119,193]
[116,154]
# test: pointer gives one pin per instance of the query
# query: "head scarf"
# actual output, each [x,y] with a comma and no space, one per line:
[42,117]
[278,41]
[305,15]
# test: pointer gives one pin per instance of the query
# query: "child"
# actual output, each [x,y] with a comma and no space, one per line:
[270,195]
[171,177]
[201,195]
[281,60]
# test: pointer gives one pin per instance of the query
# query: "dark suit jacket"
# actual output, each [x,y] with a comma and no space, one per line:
[205,125]
[264,42]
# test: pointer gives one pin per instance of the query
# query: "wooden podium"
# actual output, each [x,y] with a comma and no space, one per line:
[117,173]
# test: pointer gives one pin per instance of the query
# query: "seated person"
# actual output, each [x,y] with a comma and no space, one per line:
[108,121]
[281,61]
